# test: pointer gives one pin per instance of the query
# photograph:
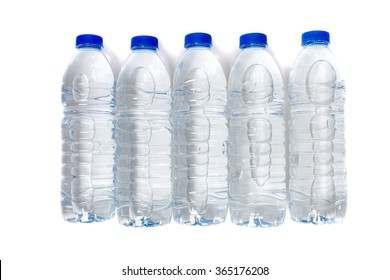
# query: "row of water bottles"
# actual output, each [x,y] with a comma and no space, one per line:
[147,151]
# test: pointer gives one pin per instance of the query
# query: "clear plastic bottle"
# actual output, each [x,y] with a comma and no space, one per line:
[143,135]
[200,192]
[87,189]
[318,189]
[257,188]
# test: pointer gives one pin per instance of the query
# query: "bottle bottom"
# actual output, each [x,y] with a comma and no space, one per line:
[215,214]
[309,214]
[87,216]
[157,219]
[258,216]
[142,222]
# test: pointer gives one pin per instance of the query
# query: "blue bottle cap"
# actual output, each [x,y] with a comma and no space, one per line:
[315,37]
[197,39]
[89,41]
[253,40]
[144,42]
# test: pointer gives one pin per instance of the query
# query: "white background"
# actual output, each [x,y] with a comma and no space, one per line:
[37,42]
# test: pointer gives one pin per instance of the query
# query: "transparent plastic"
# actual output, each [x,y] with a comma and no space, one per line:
[317,189]
[257,189]
[87,189]
[143,133]
[200,192]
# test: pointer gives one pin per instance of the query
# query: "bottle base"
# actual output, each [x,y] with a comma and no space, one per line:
[142,222]
[100,212]
[199,220]
[258,219]
[316,220]
[129,218]
[307,214]
[212,216]
[85,218]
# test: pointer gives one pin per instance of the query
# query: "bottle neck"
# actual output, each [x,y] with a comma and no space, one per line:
[89,48]
[319,44]
[315,46]
[253,45]
[253,48]
[198,48]
[144,50]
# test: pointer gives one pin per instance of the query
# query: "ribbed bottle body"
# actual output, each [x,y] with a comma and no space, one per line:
[199,139]
[257,189]
[317,189]
[87,188]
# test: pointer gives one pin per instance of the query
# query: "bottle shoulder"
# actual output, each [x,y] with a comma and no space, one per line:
[309,56]
[199,55]
[203,59]
[251,59]
[147,62]
[90,63]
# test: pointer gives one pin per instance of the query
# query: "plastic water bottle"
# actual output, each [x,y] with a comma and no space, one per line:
[317,191]
[87,190]
[200,192]
[257,188]
[143,135]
